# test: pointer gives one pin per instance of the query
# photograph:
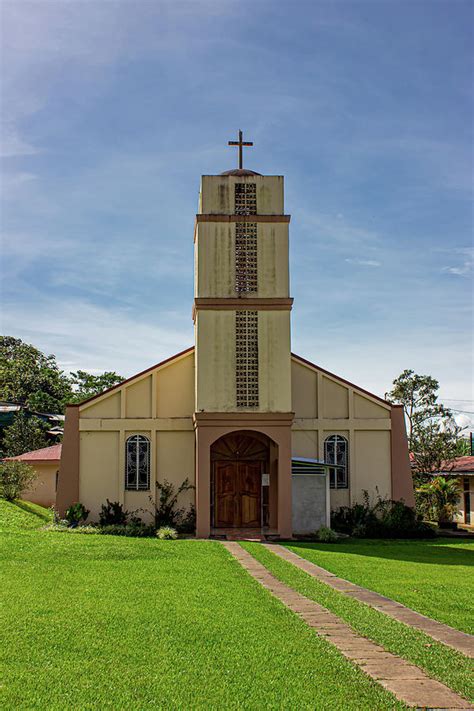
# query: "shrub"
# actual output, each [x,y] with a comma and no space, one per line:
[438,499]
[327,535]
[112,514]
[166,511]
[129,530]
[187,524]
[15,479]
[63,526]
[75,514]
[384,519]
[167,533]
[87,529]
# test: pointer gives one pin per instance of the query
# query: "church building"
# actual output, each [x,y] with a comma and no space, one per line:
[271,441]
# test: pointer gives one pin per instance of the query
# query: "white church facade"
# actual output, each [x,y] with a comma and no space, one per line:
[236,412]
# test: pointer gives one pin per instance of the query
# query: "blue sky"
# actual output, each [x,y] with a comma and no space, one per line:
[112,111]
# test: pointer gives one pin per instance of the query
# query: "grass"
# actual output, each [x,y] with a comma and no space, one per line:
[433,577]
[440,662]
[22,515]
[119,623]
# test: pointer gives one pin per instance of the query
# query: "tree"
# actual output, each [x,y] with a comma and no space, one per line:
[86,385]
[432,432]
[29,377]
[15,479]
[24,435]
[439,499]
[463,447]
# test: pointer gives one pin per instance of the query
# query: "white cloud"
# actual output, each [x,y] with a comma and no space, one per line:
[13,145]
[94,338]
[365,262]
[464,269]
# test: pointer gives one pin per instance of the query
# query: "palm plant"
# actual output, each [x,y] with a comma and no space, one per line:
[442,496]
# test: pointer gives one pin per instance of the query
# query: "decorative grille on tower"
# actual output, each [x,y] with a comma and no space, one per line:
[246,346]
[245,199]
[245,257]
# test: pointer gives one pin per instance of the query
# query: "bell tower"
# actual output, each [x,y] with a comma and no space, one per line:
[241,307]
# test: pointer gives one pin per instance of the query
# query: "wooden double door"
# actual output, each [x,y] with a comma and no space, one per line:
[237,494]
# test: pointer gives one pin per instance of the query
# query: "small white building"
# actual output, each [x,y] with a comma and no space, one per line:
[463,469]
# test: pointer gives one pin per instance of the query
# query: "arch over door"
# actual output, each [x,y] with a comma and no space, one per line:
[238,460]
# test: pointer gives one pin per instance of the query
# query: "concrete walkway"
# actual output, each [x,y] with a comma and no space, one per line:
[460,641]
[406,681]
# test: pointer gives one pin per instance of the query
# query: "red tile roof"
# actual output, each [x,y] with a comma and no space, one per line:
[47,454]
[460,464]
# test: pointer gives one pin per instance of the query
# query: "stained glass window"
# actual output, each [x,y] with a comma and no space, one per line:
[336,452]
[137,463]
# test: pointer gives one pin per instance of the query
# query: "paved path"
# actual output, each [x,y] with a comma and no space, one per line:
[460,641]
[406,681]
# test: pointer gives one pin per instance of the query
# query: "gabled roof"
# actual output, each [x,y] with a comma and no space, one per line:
[301,360]
[133,377]
[46,454]
[342,380]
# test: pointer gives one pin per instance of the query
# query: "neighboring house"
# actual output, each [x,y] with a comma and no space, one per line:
[45,462]
[235,412]
[8,410]
[463,469]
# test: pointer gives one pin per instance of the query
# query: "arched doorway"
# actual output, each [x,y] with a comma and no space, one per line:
[240,464]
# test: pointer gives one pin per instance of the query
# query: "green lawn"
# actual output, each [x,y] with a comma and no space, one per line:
[103,622]
[22,515]
[440,662]
[434,577]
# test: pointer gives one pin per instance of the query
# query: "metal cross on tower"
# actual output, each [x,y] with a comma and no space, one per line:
[240,143]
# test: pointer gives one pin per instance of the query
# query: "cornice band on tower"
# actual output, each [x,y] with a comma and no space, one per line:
[282,219]
[243,303]
[242,218]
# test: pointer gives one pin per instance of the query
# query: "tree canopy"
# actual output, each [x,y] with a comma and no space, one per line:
[31,378]
[433,435]
[86,385]
[25,434]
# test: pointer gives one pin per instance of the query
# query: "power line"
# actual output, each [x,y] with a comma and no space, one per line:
[452,399]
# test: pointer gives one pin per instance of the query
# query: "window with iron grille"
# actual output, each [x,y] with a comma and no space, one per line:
[246,347]
[245,199]
[336,452]
[245,257]
[137,463]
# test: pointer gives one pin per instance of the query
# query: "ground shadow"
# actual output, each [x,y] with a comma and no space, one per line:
[432,552]
[25,506]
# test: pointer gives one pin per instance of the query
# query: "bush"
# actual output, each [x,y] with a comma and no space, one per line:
[438,499]
[327,535]
[166,511]
[187,523]
[129,530]
[384,519]
[112,514]
[63,526]
[15,479]
[75,514]
[166,533]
